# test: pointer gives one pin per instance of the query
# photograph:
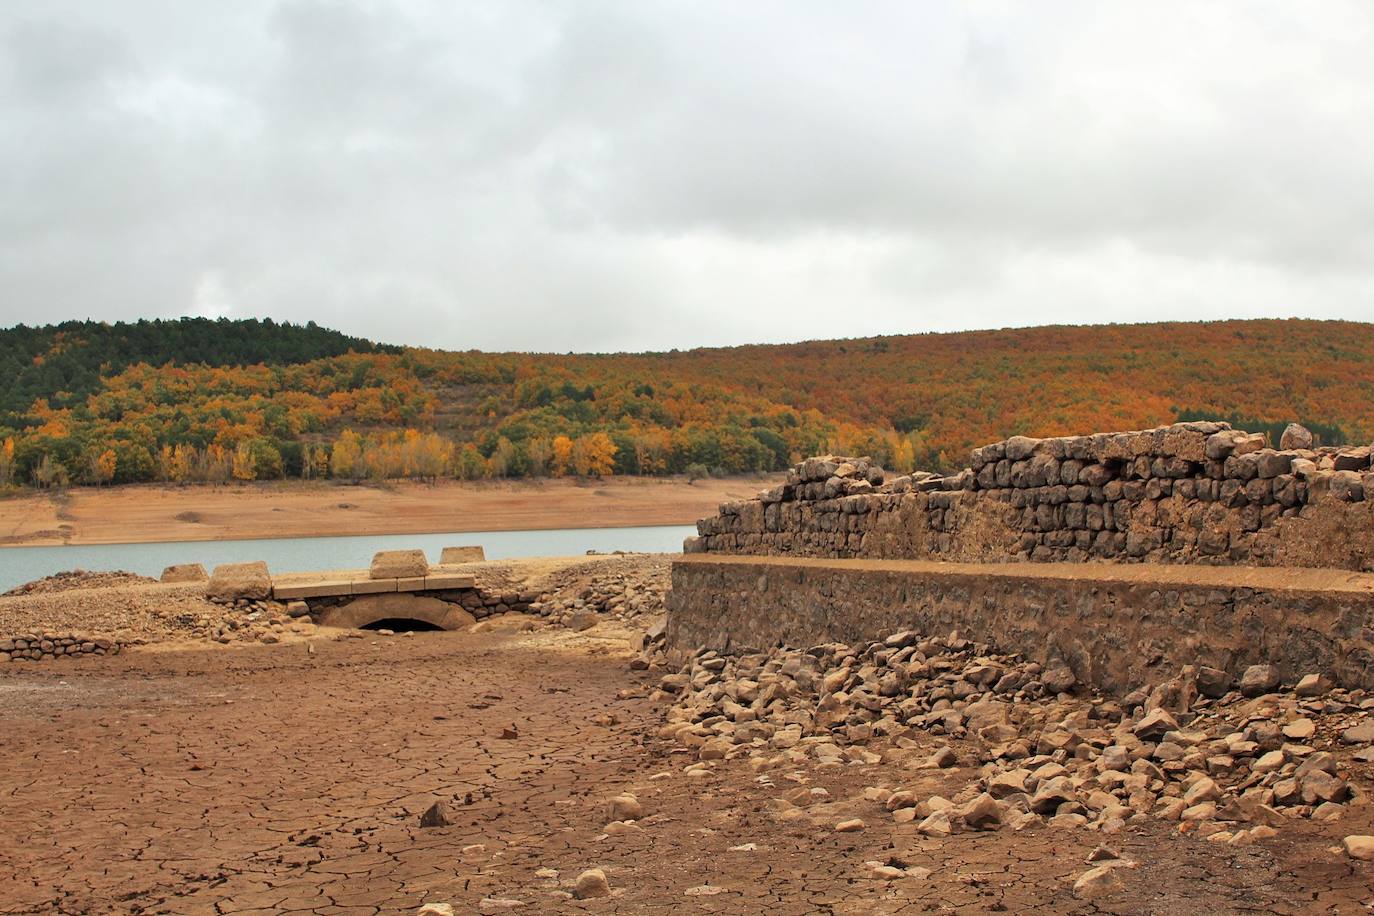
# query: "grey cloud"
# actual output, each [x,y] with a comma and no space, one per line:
[567,175]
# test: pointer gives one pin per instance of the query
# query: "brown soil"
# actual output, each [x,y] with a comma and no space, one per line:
[140,514]
[273,780]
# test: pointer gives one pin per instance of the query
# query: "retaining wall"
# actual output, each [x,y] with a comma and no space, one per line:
[1117,627]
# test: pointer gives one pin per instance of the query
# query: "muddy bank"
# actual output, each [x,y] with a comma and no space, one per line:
[142,514]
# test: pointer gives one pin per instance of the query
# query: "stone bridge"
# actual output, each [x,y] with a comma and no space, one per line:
[400,590]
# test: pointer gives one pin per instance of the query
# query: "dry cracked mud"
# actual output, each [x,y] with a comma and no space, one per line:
[273,779]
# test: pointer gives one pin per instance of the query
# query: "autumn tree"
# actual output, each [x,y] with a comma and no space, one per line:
[49,473]
[183,460]
[469,463]
[346,459]
[103,466]
[504,460]
[244,466]
[427,455]
[7,462]
[593,456]
[562,455]
[539,454]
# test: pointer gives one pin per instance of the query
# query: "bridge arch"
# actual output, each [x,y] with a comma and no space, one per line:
[370,609]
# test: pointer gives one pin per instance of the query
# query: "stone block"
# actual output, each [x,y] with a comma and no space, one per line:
[371,586]
[319,588]
[452,556]
[396,564]
[444,581]
[232,581]
[185,572]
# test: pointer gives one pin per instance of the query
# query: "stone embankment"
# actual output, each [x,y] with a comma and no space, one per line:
[1187,493]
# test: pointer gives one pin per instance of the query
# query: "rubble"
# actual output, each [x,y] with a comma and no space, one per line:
[623,591]
[1241,763]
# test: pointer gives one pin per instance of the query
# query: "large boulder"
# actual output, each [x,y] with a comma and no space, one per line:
[452,556]
[399,564]
[185,572]
[232,581]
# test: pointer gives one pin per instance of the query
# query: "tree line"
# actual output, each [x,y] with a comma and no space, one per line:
[164,401]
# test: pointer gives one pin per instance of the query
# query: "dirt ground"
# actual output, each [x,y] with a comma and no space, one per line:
[273,779]
[139,514]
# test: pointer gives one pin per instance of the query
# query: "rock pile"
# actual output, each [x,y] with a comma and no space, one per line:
[625,593]
[244,621]
[76,579]
[1231,761]
[1191,492]
[45,646]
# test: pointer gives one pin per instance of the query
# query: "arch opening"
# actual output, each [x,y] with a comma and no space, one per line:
[396,612]
[402,625]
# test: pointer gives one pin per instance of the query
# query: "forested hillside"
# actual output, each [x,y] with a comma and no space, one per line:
[64,363]
[208,401]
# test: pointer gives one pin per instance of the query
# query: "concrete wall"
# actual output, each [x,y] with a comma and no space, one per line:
[1195,493]
[1117,627]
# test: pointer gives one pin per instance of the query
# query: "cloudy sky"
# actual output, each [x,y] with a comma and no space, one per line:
[647,175]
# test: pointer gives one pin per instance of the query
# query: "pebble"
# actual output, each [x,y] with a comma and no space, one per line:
[853,825]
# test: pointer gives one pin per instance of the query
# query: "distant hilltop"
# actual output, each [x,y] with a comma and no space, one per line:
[195,400]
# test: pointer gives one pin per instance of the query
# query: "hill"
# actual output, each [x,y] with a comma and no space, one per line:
[198,400]
[64,363]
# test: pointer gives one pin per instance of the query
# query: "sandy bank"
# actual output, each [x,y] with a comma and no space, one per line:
[140,514]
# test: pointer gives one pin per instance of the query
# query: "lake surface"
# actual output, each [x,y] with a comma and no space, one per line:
[24,564]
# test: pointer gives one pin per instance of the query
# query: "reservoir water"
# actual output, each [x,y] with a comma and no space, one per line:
[24,564]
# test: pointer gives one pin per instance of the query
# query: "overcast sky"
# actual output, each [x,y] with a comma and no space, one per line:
[649,175]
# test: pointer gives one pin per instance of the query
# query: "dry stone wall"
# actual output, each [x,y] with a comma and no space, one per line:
[1189,493]
[46,646]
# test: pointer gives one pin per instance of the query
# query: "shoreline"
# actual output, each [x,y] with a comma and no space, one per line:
[155,513]
[47,543]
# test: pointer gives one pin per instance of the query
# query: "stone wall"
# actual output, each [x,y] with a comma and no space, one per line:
[47,646]
[1200,493]
[1116,627]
